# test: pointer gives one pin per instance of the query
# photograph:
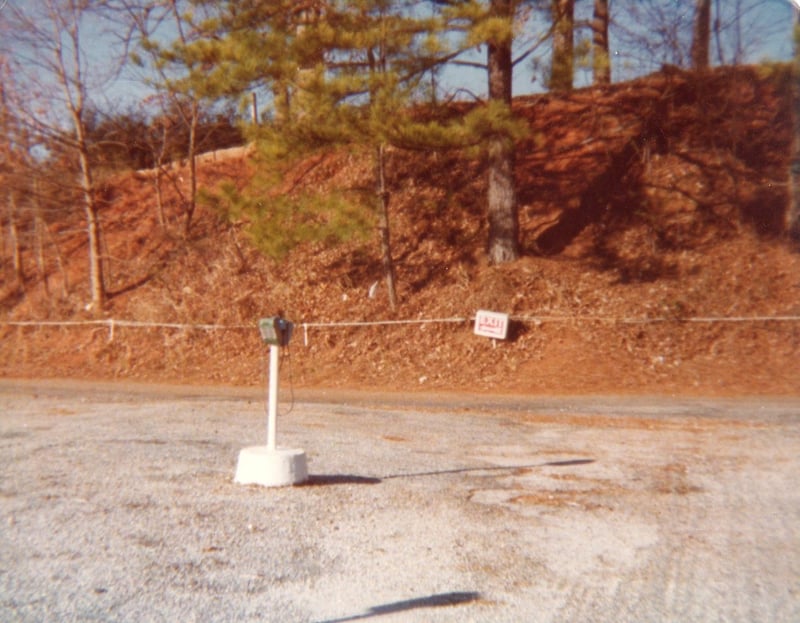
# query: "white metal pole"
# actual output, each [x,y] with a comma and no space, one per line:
[273,396]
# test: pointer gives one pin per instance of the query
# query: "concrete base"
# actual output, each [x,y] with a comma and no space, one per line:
[258,465]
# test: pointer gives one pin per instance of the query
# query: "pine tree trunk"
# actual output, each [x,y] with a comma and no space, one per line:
[502,200]
[503,225]
[254,108]
[563,47]
[701,39]
[601,57]
[383,227]
[282,102]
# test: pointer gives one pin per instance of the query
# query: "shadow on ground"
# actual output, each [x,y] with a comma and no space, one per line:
[432,601]
[320,480]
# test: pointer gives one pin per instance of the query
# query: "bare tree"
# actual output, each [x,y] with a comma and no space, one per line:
[146,18]
[652,33]
[7,170]
[159,140]
[47,41]
[190,113]
[22,201]
[43,239]
[741,27]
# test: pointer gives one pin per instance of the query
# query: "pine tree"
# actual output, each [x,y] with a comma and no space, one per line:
[376,61]
[493,24]
[339,73]
[350,73]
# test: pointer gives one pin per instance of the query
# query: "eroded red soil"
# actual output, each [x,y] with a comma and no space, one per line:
[652,218]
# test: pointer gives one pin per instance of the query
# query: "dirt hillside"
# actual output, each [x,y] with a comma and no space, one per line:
[652,220]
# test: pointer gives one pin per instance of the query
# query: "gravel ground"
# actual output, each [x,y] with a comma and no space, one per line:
[118,504]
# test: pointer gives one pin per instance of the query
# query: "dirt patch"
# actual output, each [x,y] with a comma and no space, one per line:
[629,422]
[672,479]
[560,497]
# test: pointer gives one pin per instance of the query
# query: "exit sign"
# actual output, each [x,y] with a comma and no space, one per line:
[491,324]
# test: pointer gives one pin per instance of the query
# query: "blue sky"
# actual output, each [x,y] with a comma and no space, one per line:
[773,19]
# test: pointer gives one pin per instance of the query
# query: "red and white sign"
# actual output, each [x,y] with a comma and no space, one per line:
[491,324]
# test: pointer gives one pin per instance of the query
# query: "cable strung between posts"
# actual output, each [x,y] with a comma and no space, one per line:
[135,324]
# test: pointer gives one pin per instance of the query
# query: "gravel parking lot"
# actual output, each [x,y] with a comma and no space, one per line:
[118,504]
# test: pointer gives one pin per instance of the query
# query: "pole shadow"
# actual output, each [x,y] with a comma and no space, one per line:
[432,601]
[567,463]
[491,468]
[324,480]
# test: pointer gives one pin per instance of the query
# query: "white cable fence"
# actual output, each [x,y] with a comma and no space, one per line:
[535,319]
